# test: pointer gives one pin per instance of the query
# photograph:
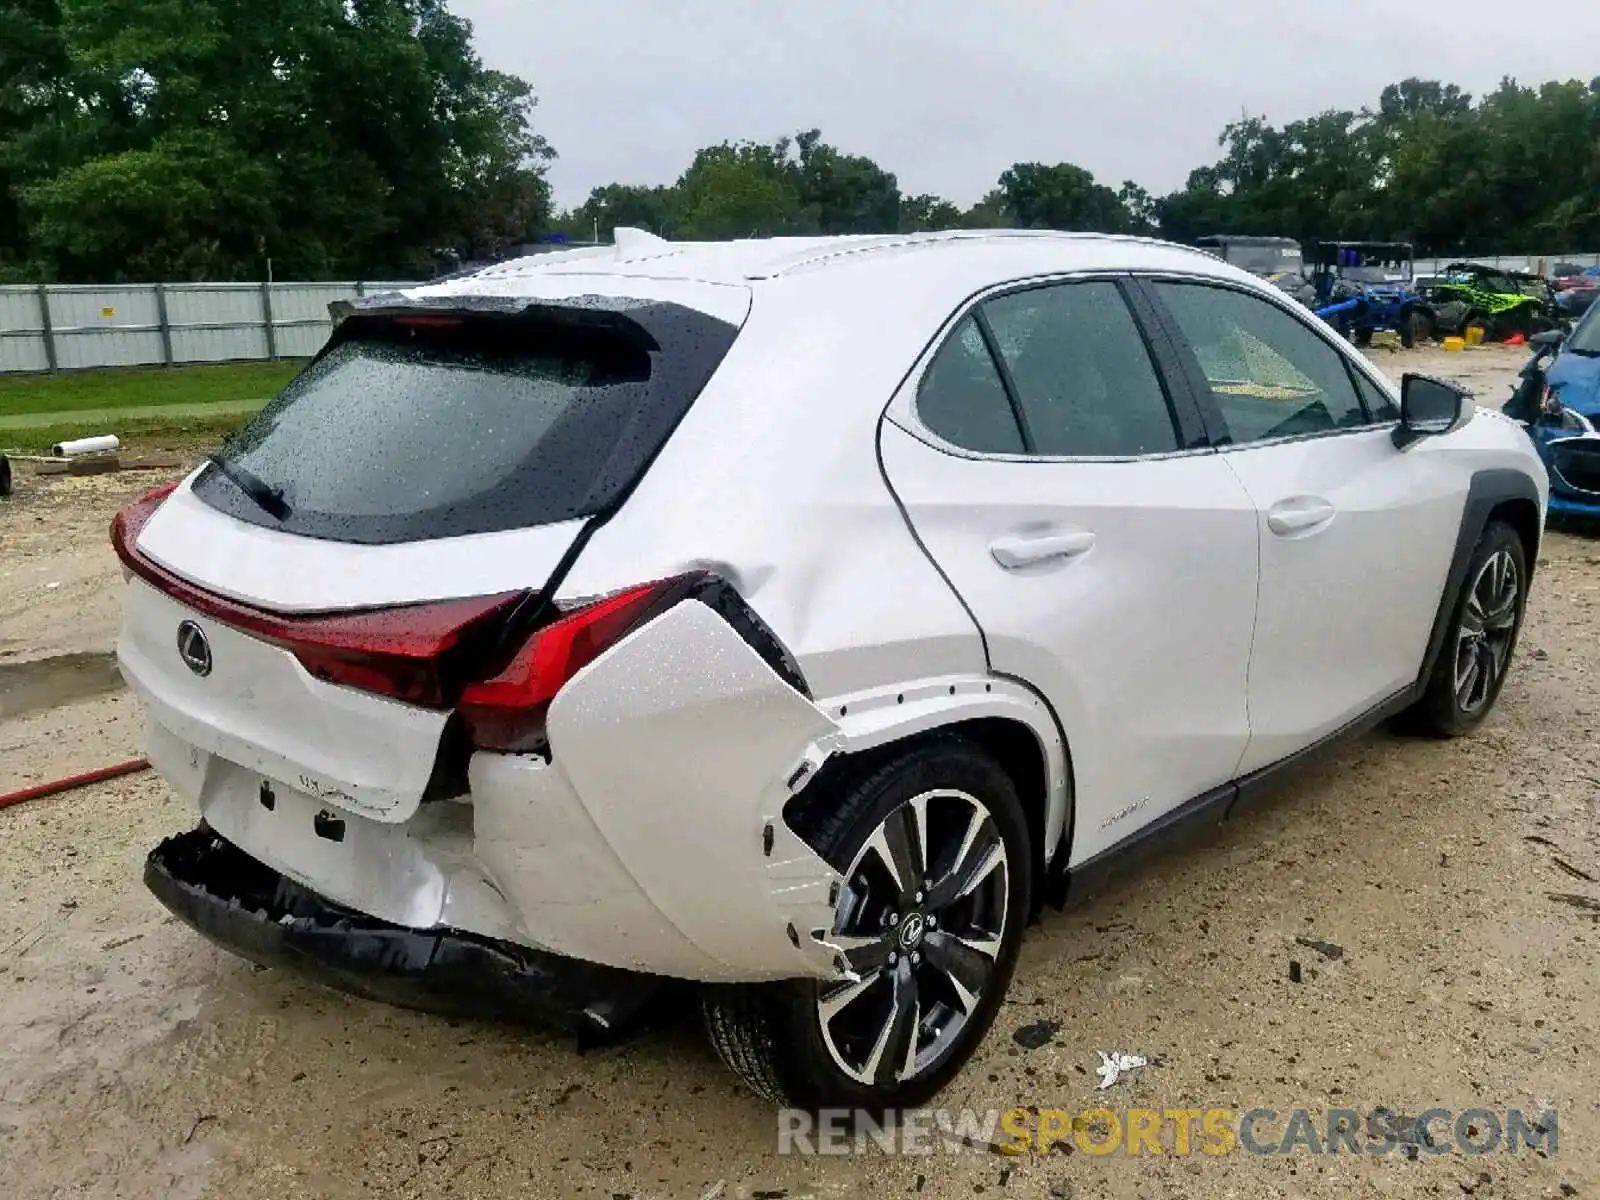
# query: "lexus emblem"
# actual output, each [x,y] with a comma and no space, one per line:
[912,929]
[194,649]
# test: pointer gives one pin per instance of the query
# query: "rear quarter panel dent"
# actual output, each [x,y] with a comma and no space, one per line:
[679,741]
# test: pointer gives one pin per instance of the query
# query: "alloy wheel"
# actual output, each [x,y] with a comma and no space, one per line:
[1488,623]
[920,921]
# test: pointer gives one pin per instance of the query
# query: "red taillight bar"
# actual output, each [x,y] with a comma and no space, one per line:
[507,712]
[451,653]
[417,653]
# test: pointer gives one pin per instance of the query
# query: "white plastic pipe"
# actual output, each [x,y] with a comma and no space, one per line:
[88,445]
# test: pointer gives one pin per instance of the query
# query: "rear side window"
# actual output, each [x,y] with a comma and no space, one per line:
[1270,376]
[1083,377]
[426,427]
[962,399]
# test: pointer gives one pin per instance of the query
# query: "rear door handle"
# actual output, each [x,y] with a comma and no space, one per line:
[1299,514]
[1018,550]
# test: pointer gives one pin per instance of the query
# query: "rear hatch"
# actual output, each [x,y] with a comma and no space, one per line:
[311,604]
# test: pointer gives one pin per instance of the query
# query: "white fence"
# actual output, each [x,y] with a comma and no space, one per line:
[68,327]
[1537,264]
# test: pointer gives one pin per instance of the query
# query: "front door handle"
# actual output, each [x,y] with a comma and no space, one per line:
[1018,550]
[1299,515]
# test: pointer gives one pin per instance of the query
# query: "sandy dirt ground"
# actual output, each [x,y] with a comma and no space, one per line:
[1459,879]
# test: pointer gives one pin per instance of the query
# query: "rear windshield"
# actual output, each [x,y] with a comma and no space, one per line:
[430,426]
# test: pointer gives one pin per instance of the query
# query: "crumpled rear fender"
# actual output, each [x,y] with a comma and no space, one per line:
[654,838]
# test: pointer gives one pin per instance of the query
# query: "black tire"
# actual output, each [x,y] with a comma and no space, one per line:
[1477,318]
[1416,326]
[771,1035]
[1522,319]
[1362,338]
[1445,709]
[1450,317]
[5,475]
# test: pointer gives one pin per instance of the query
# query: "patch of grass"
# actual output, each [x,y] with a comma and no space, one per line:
[138,387]
[188,434]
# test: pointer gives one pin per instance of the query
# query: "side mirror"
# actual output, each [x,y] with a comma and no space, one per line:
[1430,407]
[1549,338]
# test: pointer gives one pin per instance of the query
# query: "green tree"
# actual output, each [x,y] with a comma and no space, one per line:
[1062,196]
[924,213]
[743,189]
[652,208]
[33,112]
[992,212]
[1140,206]
[845,193]
[1519,167]
[196,138]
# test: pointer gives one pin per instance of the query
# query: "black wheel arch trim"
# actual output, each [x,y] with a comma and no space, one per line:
[1487,491]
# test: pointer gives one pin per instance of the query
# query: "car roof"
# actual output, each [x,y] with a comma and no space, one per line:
[926,258]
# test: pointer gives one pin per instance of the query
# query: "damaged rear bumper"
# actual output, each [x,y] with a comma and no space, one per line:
[650,840]
[250,909]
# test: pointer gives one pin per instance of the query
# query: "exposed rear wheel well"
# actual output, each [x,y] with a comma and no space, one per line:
[1011,744]
[1523,517]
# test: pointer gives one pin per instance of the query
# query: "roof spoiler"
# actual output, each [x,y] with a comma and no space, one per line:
[617,314]
[630,241]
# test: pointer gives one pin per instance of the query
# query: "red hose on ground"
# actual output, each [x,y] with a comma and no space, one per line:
[131,767]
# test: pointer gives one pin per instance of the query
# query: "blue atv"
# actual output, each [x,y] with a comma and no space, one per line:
[1363,288]
[1558,402]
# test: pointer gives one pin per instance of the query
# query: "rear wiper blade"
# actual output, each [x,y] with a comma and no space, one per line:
[266,497]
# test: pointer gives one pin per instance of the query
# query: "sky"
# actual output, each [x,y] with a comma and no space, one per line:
[948,93]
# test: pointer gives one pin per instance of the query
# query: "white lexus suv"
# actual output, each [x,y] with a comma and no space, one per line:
[791,617]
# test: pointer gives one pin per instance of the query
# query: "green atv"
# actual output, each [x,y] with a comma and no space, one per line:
[1499,301]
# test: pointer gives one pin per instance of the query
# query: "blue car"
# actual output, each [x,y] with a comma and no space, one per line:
[1558,401]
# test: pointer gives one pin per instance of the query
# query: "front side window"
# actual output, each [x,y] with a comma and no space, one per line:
[1083,377]
[1270,376]
[1379,406]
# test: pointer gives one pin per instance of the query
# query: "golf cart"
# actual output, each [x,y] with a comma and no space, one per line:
[1278,260]
[1501,302]
[1363,288]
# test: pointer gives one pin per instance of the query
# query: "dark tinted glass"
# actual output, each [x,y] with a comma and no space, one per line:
[444,427]
[1379,406]
[1270,375]
[1083,376]
[1585,336]
[962,399]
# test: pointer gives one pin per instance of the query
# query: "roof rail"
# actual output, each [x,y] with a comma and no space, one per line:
[874,244]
